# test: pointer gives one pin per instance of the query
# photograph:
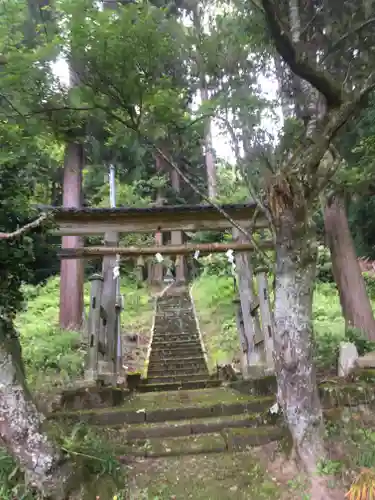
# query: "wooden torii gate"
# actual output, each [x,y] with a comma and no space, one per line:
[255,330]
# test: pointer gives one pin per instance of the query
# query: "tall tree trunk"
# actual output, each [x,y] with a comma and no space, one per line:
[204,95]
[355,303]
[72,271]
[297,388]
[46,469]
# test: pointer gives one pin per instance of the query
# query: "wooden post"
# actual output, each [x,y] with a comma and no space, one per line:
[108,333]
[180,269]
[266,315]
[242,337]
[249,304]
[158,272]
[91,372]
[118,353]
[176,239]
[139,269]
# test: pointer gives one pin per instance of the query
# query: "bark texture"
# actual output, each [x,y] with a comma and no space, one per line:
[355,303]
[46,469]
[296,252]
[72,275]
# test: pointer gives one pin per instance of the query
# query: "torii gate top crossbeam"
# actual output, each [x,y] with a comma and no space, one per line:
[91,221]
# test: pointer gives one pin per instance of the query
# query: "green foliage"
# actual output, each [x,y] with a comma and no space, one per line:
[324,265]
[370,284]
[46,349]
[98,470]
[11,479]
[53,357]
[214,295]
[356,337]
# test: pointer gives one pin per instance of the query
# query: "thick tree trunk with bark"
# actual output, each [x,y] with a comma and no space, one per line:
[355,304]
[46,469]
[72,275]
[298,397]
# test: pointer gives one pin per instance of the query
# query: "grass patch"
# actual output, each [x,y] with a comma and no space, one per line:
[213,296]
[52,356]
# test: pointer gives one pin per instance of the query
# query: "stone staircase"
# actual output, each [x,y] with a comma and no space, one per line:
[176,359]
[175,423]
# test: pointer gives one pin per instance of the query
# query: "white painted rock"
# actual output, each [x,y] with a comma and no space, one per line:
[348,357]
[367,361]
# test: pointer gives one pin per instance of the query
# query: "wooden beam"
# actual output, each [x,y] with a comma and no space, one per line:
[93,221]
[206,248]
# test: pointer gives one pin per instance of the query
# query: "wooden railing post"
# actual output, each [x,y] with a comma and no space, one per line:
[180,266]
[249,305]
[139,269]
[244,348]
[91,372]
[108,332]
[266,315]
[180,269]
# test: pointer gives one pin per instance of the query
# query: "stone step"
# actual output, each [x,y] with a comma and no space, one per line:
[175,326]
[176,373]
[162,353]
[174,309]
[175,337]
[194,426]
[176,319]
[176,361]
[164,331]
[173,386]
[180,367]
[124,415]
[228,440]
[164,343]
[161,379]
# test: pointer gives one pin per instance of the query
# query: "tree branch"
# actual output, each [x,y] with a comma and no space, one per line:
[353,31]
[367,88]
[298,60]
[31,225]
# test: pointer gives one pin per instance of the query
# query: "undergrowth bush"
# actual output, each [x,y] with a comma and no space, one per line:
[52,356]
[99,472]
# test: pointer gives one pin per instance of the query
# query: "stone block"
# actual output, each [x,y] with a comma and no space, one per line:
[366,361]
[348,357]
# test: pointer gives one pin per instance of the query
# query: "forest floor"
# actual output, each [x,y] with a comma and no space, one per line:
[218,476]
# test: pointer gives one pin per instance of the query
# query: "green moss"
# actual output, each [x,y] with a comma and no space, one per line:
[218,476]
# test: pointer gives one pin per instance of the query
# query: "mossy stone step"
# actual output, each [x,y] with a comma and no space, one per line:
[155,370]
[173,386]
[175,359]
[178,335]
[228,440]
[170,312]
[194,426]
[177,352]
[178,377]
[120,416]
[190,366]
[181,343]
[173,339]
